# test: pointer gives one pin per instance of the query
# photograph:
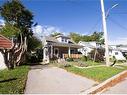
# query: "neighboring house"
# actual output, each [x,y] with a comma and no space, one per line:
[5,43]
[114,50]
[87,47]
[117,52]
[58,47]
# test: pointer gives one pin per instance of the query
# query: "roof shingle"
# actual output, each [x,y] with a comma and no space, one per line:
[5,43]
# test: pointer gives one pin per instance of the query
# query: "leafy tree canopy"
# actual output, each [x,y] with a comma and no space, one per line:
[55,34]
[9,31]
[96,36]
[16,14]
[34,43]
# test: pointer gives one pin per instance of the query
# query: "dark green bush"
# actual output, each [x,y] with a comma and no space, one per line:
[84,58]
[32,58]
[69,59]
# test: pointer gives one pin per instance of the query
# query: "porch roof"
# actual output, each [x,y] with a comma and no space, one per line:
[66,45]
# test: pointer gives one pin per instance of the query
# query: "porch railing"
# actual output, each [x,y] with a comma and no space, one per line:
[72,56]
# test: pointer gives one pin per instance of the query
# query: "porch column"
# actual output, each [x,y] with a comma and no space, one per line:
[44,54]
[51,51]
[69,51]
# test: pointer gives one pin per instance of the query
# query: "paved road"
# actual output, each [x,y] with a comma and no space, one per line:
[120,88]
[56,81]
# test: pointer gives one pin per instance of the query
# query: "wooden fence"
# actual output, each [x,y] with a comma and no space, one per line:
[72,55]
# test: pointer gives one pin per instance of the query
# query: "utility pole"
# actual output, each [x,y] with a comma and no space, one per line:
[105,33]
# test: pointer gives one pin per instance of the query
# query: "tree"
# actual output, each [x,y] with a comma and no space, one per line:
[15,14]
[55,34]
[75,37]
[97,55]
[9,31]
[96,36]
[34,43]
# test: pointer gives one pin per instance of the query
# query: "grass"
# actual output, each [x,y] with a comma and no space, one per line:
[13,81]
[125,67]
[91,63]
[98,74]
[86,63]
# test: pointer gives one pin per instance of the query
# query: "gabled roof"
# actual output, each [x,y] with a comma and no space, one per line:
[5,43]
[51,39]
[67,45]
[62,36]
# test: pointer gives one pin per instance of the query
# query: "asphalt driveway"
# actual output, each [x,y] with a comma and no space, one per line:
[54,80]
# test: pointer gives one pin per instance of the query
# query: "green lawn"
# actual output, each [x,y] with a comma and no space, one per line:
[86,63]
[97,73]
[13,81]
[125,67]
[91,63]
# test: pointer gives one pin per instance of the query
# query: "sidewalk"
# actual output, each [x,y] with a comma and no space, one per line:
[120,88]
[54,80]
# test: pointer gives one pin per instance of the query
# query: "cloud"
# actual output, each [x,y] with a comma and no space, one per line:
[38,29]
[50,29]
[46,30]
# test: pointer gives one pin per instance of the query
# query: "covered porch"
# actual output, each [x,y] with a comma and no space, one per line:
[61,50]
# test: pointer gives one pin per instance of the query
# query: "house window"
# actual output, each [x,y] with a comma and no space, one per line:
[72,51]
[116,53]
[65,40]
[62,40]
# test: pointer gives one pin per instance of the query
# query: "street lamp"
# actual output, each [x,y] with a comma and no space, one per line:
[104,16]
[107,13]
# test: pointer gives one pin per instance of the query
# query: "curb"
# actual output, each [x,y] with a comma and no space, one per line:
[107,84]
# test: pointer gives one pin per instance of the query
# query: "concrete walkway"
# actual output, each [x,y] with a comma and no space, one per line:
[54,80]
[120,88]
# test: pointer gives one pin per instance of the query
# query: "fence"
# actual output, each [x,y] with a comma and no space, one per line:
[72,55]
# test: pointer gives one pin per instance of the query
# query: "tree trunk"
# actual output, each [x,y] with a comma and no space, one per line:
[15,56]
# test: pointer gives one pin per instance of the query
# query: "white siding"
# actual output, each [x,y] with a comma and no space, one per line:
[2,63]
[59,39]
[62,39]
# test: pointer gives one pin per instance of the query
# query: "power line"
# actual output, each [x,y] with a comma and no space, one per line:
[118,24]
[94,26]
[120,13]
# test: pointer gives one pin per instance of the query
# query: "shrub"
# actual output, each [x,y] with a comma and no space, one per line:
[63,65]
[84,58]
[69,59]
[99,55]
[32,58]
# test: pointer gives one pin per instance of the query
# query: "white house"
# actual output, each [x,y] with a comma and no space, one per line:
[117,52]
[57,47]
[87,47]
[114,50]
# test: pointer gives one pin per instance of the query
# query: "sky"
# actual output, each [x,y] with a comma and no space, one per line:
[79,16]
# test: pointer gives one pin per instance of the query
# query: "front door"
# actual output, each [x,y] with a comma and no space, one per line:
[56,52]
